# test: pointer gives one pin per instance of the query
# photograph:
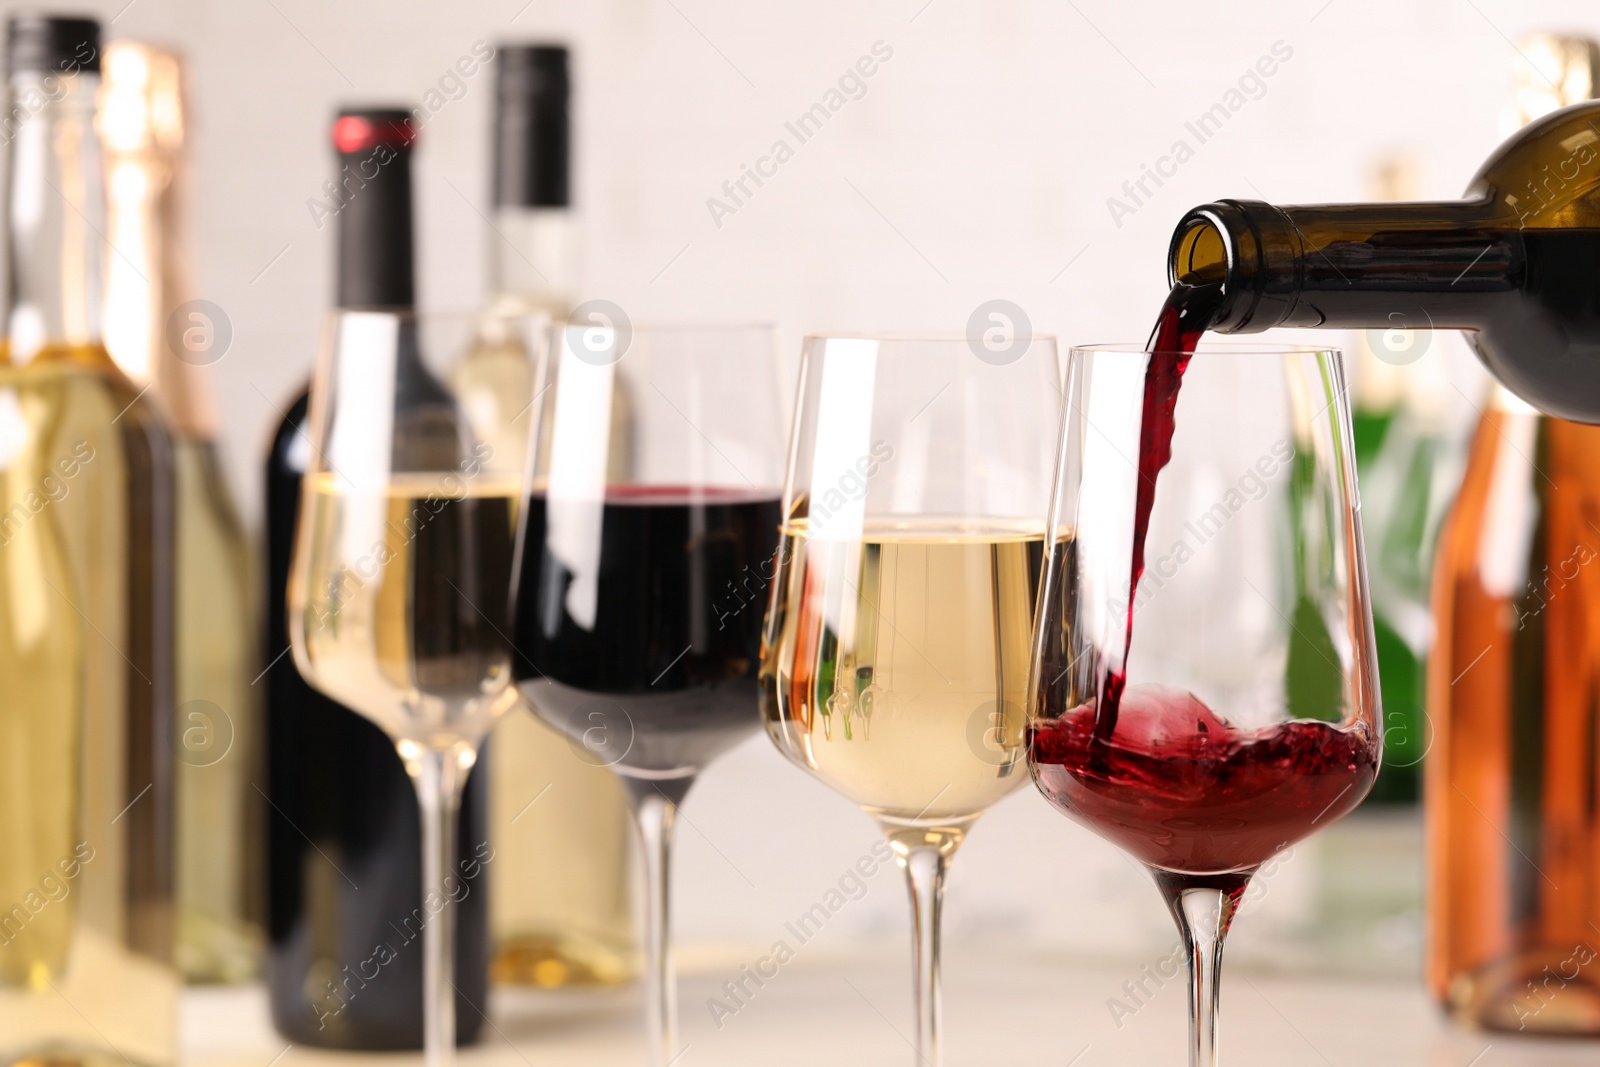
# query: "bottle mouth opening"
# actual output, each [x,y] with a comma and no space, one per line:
[1200,254]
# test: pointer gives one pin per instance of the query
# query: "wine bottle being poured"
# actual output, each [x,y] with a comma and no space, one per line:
[1517,263]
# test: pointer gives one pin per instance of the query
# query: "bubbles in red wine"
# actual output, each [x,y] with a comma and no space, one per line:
[1184,790]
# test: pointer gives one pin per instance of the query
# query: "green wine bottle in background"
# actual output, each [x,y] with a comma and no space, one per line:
[1406,470]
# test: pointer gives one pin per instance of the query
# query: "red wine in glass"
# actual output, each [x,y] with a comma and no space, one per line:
[1157,771]
[1204,796]
[649,664]
[1183,790]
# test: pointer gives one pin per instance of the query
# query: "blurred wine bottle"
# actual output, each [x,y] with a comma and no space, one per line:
[161,338]
[344,854]
[1514,696]
[1407,474]
[94,981]
[560,825]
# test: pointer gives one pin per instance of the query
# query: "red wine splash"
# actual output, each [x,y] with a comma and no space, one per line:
[1183,790]
[1184,318]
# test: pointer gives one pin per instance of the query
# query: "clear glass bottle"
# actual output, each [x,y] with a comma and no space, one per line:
[161,338]
[1514,700]
[560,912]
[110,994]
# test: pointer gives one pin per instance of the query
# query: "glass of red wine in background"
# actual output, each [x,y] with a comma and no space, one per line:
[1204,690]
[895,661]
[399,590]
[647,543]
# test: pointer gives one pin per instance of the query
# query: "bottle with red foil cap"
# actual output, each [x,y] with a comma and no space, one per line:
[344,897]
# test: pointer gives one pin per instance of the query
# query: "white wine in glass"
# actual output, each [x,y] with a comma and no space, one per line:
[896,649]
[399,593]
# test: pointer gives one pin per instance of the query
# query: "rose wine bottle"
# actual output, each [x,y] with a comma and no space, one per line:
[162,341]
[561,913]
[1515,263]
[1514,701]
[86,916]
[344,959]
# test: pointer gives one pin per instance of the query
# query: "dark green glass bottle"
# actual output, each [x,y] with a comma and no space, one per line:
[1517,263]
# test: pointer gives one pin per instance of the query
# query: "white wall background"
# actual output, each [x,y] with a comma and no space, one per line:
[977,165]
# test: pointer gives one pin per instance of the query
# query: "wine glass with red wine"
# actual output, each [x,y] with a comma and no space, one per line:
[643,560]
[1204,690]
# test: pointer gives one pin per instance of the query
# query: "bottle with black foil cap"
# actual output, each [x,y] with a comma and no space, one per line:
[561,914]
[344,862]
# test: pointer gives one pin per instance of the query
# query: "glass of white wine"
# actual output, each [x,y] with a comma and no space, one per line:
[896,648]
[398,600]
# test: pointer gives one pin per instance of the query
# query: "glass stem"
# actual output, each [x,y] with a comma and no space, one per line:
[925,866]
[655,810]
[1203,907]
[437,776]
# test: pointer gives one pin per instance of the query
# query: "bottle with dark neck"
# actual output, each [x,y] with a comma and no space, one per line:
[561,913]
[1517,263]
[163,341]
[344,859]
[103,942]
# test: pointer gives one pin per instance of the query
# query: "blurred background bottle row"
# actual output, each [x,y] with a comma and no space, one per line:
[164,818]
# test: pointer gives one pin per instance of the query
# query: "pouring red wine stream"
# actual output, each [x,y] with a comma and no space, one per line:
[1183,321]
[1178,785]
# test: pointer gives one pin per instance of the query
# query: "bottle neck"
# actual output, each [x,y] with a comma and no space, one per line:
[153,332]
[56,216]
[376,248]
[1347,266]
[533,260]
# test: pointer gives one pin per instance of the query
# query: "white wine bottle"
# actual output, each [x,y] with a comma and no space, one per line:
[559,910]
[159,337]
[42,660]
[110,995]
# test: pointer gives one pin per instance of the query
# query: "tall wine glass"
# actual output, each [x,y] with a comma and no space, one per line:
[1241,712]
[895,654]
[650,529]
[398,599]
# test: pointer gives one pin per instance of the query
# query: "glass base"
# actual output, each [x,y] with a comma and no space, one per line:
[560,961]
[212,951]
[1546,990]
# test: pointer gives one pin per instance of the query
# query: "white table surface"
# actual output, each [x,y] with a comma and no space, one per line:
[1002,1007]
